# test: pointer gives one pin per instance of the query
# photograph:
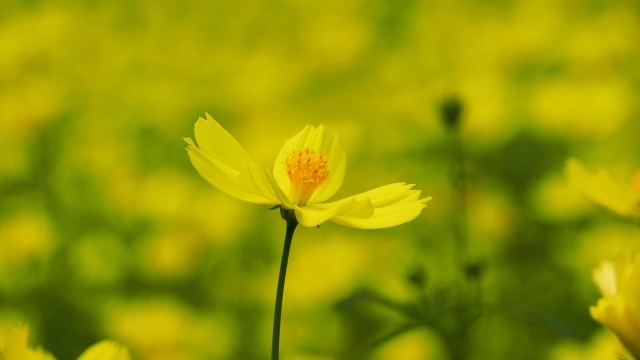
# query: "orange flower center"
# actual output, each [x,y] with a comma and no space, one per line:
[306,170]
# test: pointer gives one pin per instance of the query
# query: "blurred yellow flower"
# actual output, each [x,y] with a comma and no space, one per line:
[413,345]
[619,308]
[309,170]
[15,347]
[24,238]
[618,196]
[106,350]
[600,346]
[162,329]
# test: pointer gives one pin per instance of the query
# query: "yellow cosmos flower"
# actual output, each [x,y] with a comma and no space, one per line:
[619,308]
[16,347]
[621,197]
[309,169]
[106,350]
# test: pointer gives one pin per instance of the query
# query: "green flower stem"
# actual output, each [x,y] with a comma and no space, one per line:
[459,182]
[290,217]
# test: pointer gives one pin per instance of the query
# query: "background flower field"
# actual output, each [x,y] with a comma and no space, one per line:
[107,230]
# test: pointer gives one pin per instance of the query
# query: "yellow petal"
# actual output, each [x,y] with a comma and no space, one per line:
[216,142]
[612,312]
[604,276]
[283,198]
[316,214]
[16,346]
[393,204]
[106,350]
[630,273]
[321,141]
[392,194]
[383,217]
[224,164]
[623,267]
[601,188]
[256,180]
[15,343]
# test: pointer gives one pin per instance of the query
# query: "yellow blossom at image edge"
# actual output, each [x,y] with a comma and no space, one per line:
[309,169]
[623,198]
[15,346]
[106,350]
[619,308]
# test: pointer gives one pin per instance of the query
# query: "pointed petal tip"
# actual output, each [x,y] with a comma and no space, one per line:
[189,141]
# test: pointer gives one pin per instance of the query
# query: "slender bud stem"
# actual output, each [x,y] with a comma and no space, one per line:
[451,110]
[290,217]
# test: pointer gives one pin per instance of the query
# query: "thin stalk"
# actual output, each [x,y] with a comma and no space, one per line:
[459,186]
[468,294]
[292,223]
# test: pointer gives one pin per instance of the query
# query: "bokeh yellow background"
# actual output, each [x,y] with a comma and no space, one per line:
[106,230]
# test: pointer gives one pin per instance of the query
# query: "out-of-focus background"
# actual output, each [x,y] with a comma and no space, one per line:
[107,231]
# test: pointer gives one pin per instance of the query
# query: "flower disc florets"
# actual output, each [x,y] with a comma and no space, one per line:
[306,170]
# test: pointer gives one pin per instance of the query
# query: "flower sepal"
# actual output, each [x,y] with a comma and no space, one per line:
[288,215]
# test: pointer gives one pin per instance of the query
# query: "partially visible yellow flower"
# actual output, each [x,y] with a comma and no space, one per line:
[106,350]
[600,346]
[616,195]
[15,347]
[619,308]
[308,171]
